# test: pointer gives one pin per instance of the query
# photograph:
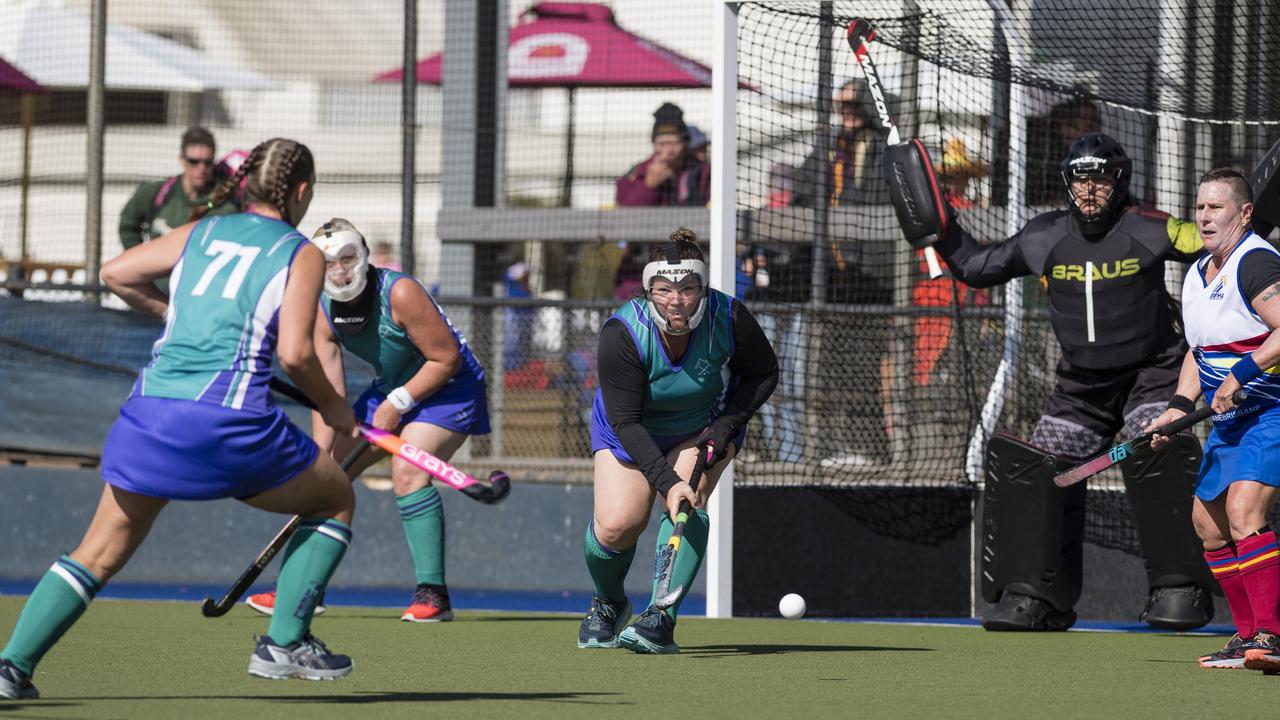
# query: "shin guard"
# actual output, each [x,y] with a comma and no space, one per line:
[1032,530]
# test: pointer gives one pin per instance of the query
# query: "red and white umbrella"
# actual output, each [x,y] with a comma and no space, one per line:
[573,45]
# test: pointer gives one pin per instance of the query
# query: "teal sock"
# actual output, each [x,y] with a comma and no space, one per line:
[608,567]
[59,599]
[693,546]
[422,514]
[312,556]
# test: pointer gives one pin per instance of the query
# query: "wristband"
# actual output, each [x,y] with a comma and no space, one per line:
[1183,403]
[401,400]
[1246,370]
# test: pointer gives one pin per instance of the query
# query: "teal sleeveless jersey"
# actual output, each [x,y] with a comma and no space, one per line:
[224,310]
[387,347]
[682,399]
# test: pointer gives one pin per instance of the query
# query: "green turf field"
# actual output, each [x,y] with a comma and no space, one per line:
[163,660]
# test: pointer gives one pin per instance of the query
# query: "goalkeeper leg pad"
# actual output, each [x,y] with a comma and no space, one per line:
[1160,487]
[1032,530]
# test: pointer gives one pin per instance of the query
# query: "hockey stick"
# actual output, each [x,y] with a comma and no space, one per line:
[211,609]
[1142,443]
[666,597]
[860,36]
[494,491]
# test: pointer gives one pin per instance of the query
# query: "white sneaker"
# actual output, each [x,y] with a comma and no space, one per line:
[307,659]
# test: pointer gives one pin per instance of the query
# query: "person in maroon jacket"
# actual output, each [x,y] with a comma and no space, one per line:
[671,175]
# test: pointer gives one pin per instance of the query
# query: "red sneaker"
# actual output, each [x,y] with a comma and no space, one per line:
[430,604]
[265,603]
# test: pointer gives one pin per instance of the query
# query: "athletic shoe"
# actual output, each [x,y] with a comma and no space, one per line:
[1263,653]
[15,684]
[430,604]
[1016,612]
[652,633]
[603,622]
[1230,657]
[307,659]
[265,603]
[1185,607]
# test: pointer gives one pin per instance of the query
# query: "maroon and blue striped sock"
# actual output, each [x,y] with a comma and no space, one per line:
[1259,561]
[1226,570]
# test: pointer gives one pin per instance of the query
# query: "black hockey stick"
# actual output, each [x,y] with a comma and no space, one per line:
[494,491]
[210,608]
[860,35]
[666,597]
[1142,443]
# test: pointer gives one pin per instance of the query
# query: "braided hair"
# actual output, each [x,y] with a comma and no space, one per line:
[270,173]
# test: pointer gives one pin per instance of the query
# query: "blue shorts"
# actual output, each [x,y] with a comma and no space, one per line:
[1250,454]
[603,437]
[186,450]
[462,409]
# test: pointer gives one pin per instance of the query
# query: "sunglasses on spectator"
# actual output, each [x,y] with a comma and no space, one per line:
[207,162]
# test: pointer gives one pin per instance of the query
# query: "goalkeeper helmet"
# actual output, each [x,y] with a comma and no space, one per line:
[1097,155]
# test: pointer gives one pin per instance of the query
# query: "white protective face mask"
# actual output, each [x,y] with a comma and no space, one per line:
[333,244]
[675,269]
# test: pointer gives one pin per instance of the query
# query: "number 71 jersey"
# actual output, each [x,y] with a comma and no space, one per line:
[224,311]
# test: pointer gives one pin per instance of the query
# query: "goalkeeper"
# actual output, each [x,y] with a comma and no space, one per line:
[1102,262]
[680,366]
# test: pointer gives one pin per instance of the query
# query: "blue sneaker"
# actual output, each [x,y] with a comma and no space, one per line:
[15,684]
[307,659]
[604,620]
[652,633]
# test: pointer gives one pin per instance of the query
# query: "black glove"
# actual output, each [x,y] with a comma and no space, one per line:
[719,437]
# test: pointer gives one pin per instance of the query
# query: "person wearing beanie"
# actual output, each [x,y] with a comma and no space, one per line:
[671,175]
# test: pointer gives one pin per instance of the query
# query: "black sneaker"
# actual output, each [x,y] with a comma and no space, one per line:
[652,633]
[1230,657]
[430,604]
[1263,653]
[604,620]
[307,659]
[1016,612]
[15,684]
[1185,607]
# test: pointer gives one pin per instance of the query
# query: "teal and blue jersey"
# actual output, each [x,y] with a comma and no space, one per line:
[222,322]
[681,398]
[387,347]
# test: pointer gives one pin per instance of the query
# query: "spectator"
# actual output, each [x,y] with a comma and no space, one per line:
[159,206]
[518,322]
[852,162]
[781,185]
[385,256]
[671,175]
[627,280]
[699,145]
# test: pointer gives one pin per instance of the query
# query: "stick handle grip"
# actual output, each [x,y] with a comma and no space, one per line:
[1176,426]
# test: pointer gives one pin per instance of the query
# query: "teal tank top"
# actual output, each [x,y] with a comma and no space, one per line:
[221,326]
[387,347]
[682,399]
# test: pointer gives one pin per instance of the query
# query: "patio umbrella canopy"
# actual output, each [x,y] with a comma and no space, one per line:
[573,45]
[11,78]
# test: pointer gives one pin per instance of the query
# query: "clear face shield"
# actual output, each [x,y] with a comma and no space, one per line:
[673,284]
[346,267]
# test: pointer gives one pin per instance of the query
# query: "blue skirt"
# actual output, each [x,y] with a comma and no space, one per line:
[187,450]
[1251,453]
[604,438]
[461,409]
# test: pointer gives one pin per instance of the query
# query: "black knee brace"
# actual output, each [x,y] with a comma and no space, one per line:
[1032,530]
[1160,487]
